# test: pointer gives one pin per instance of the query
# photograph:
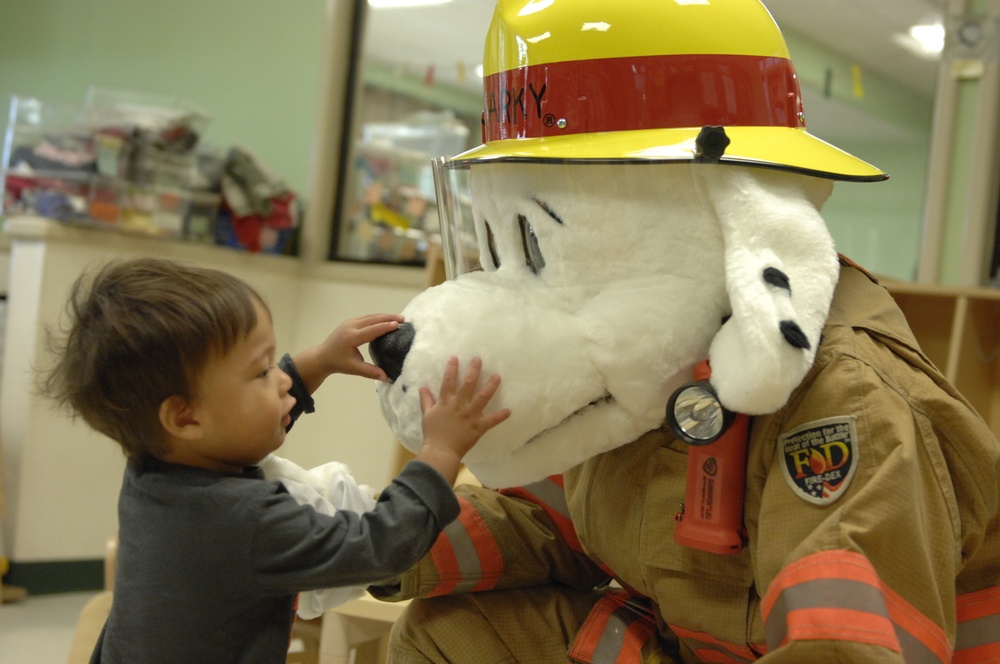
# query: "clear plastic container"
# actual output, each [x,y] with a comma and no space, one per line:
[49,158]
[116,158]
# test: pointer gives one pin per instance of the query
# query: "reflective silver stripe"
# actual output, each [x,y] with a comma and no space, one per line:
[469,566]
[978,632]
[613,637]
[617,629]
[841,594]
[821,594]
[551,494]
[914,651]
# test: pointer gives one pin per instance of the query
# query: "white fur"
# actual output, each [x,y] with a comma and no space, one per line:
[637,280]
[768,219]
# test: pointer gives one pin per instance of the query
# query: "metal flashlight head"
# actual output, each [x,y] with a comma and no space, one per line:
[695,414]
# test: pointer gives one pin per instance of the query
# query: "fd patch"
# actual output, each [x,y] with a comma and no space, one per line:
[819,458]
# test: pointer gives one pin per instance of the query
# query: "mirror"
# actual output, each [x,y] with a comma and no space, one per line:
[417,97]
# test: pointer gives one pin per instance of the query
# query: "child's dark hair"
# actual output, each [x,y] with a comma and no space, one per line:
[140,331]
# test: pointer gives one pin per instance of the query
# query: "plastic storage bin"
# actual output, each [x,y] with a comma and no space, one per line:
[49,159]
[122,159]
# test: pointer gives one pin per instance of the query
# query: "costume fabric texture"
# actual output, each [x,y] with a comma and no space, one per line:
[210,564]
[871,514]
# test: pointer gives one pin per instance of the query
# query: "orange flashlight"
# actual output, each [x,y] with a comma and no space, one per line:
[711,517]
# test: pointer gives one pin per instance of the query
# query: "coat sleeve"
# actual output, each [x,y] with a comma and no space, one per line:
[502,539]
[875,531]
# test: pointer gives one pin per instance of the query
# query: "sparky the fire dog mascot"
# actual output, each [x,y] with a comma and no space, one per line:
[725,444]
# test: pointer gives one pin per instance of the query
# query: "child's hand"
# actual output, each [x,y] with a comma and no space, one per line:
[339,353]
[454,422]
[340,349]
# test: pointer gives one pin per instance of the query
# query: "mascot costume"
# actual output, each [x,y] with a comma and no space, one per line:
[725,444]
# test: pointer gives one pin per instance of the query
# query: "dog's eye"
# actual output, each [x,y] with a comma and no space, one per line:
[492,245]
[532,252]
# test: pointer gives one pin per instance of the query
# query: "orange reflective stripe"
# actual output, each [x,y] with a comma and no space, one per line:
[841,625]
[710,649]
[615,631]
[715,657]
[979,604]
[978,638]
[550,495]
[446,565]
[987,654]
[822,565]
[913,625]
[837,595]
[466,554]
[487,554]
[588,637]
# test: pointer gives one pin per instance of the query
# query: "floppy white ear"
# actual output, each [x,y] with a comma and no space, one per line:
[781,270]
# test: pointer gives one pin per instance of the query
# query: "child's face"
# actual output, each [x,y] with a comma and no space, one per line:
[241,404]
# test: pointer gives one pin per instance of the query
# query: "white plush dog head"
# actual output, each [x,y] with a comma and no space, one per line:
[603,286]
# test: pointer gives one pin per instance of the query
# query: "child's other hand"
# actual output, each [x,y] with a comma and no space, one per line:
[455,421]
[340,349]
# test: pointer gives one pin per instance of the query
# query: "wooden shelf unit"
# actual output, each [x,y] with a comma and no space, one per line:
[959,330]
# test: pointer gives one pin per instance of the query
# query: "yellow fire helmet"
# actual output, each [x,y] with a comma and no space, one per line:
[647,80]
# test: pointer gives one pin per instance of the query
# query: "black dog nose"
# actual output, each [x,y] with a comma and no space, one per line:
[389,351]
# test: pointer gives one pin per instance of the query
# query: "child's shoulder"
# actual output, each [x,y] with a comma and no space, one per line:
[161,477]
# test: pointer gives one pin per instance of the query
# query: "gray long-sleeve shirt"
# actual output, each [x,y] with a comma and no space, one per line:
[209,564]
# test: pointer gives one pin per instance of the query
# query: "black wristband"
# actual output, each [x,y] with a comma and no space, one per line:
[303,400]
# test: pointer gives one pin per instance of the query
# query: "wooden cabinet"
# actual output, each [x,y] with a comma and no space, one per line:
[959,330]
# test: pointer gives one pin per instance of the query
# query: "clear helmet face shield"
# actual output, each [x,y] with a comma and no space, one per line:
[458,228]
[489,211]
[497,213]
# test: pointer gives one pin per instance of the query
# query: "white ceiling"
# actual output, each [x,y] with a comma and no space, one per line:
[450,37]
[866,31]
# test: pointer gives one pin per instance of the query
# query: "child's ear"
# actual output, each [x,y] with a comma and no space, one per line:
[177,418]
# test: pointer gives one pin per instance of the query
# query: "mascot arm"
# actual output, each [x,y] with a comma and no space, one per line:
[890,561]
[513,538]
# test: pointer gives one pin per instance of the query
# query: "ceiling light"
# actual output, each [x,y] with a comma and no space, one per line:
[930,36]
[397,4]
[924,40]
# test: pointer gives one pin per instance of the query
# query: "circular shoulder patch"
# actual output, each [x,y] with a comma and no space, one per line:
[818,459]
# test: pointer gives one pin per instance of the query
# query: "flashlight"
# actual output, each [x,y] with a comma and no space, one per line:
[711,517]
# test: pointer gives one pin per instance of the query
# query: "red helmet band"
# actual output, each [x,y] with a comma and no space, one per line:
[649,92]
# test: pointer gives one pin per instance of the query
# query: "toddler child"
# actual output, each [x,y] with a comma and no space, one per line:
[177,364]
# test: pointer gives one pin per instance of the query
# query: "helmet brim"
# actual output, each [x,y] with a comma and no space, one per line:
[784,148]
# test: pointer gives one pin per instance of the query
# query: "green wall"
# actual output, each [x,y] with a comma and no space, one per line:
[879,225]
[254,65]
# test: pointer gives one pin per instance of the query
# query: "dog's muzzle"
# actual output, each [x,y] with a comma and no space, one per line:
[389,351]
